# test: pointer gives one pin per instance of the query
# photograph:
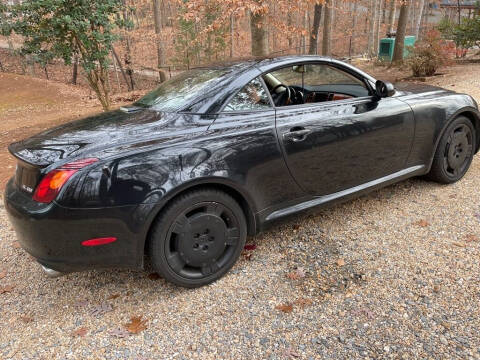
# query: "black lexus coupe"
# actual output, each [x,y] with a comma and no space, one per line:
[215,154]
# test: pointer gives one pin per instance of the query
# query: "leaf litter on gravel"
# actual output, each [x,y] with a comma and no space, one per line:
[101,309]
[297,274]
[136,325]
[81,332]
[286,308]
[6,289]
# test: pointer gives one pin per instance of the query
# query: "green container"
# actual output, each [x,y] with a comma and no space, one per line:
[386,46]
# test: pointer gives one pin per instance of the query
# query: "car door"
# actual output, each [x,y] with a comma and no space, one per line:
[335,145]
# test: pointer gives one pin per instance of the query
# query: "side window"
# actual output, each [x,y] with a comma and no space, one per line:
[252,97]
[313,83]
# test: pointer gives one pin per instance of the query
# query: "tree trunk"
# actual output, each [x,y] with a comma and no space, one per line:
[401,30]
[259,34]
[378,27]
[289,34]
[391,16]
[158,31]
[372,28]
[421,6]
[327,29]
[317,14]
[75,70]
[128,53]
[232,33]
[351,48]
[124,75]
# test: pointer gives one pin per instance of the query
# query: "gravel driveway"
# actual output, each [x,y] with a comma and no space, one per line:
[391,275]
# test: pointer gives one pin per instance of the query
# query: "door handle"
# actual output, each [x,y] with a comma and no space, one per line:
[297,134]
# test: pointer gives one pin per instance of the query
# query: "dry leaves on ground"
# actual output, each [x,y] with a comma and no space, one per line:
[297,274]
[6,289]
[113,296]
[471,237]
[302,302]
[101,309]
[81,332]
[286,308]
[340,262]
[136,325]
[422,223]
[153,276]
[120,333]
[26,319]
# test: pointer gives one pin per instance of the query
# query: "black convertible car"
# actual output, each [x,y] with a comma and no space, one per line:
[215,154]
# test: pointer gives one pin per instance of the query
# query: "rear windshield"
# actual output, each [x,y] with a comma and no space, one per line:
[176,93]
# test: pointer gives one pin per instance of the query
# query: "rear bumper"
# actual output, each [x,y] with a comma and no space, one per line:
[53,234]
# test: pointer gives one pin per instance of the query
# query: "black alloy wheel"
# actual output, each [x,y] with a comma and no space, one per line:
[198,238]
[455,152]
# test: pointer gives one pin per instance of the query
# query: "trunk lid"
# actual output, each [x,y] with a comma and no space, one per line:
[99,136]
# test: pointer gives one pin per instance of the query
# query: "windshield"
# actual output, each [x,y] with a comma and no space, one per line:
[176,93]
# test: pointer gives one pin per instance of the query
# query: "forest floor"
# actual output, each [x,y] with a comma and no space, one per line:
[390,275]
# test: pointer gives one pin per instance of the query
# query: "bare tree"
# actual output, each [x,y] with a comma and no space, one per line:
[372,15]
[378,26]
[421,7]
[317,14]
[351,48]
[157,15]
[232,33]
[401,30]
[391,16]
[259,33]
[327,29]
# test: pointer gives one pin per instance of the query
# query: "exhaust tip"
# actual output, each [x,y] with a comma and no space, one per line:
[50,272]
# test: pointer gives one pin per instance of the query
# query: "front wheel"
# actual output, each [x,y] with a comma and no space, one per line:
[454,153]
[198,238]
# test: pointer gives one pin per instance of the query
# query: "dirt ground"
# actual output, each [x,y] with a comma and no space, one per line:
[392,275]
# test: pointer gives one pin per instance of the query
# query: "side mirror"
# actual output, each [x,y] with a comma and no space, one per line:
[384,89]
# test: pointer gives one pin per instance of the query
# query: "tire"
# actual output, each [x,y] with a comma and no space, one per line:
[197,238]
[454,153]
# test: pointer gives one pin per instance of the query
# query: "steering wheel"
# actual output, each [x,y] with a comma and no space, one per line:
[289,93]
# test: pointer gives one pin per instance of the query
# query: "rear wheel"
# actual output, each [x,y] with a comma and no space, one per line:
[198,238]
[454,153]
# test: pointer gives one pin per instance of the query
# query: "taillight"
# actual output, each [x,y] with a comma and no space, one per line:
[52,183]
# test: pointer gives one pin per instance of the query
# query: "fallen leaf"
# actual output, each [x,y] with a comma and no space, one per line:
[286,308]
[422,223]
[295,226]
[3,274]
[250,247]
[81,303]
[469,238]
[26,319]
[6,289]
[436,288]
[136,324]
[80,332]
[458,244]
[297,274]
[302,302]
[291,353]
[113,296]
[153,276]
[16,245]
[101,309]
[340,262]
[247,256]
[120,333]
